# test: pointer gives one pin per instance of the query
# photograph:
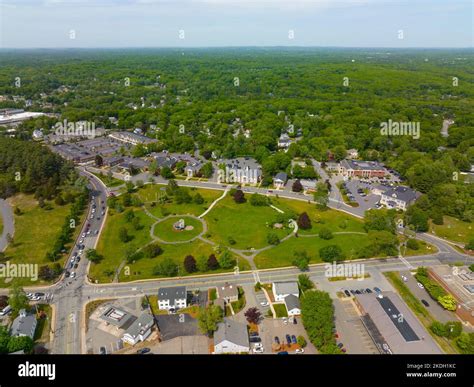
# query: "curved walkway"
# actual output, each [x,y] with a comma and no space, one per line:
[215,202]
[6,213]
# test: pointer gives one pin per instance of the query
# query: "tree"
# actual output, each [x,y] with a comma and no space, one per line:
[273,239]
[253,315]
[301,341]
[207,170]
[413,244]
[167,173]
[470,245]
[301,260]
[226,260]
[331,253]
[209,318]
[123,235]
[379,220]
[239,196]
[93,256]
[167,268]
[212,263]
[325,233]
[198,199]
[418,219]
[190,264]
[20,343]
[258,200]
[305,282]
[17,298]
[297,186]
[3,302]
[448,302]
[99,161]
[304,222]
[152,250]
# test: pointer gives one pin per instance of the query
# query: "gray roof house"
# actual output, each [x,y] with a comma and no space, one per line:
[285,288]
[172,298]
[228,292]
[398,197]
[280,179]
[24,325]
[139,330]
[231,337]
[292,304]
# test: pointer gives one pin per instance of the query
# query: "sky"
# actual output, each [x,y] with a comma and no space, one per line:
[218,23]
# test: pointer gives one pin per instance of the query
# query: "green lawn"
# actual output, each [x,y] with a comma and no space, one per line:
[36,230]
[336,221]
[282,255]
[247,225]
[165,230]
[453,229]
[109,181]
[280,310]
[149,195]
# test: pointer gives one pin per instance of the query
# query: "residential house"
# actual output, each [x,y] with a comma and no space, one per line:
[231,337]
[398,197]
[309,185]
[284,289]
[228,292]
[292,304]
[140,330]
[352,154]
[172,298]
[280,180]
[284,141]
[131,138]
[24,325]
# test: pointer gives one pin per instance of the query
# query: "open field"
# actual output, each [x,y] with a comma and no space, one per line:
[244,224]
[453,229]
[165,230]
[282,255]
[36,230]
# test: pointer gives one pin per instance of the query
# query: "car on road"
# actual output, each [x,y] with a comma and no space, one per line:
[299,350]
[420,285]
[346,292]
[405,279]
[143,351]
[425,303]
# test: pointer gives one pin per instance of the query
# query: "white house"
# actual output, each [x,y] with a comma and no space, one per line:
[231,337]
[284,289]
[172,298]
[398,197]
[139,330]
[280,180]
[292,304]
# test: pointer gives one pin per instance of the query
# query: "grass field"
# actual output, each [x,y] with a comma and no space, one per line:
[334,220]
[282,255]
[165,230]
[247,225]
[150,193]
[36,230]
[109,181]
[453,229]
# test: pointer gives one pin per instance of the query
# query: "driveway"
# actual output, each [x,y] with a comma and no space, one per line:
[184,345]
[175,325]
[6,213]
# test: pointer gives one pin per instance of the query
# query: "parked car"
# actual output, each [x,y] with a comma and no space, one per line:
[378,290]
[425,303]
[142,351]
[258,350]
[5,310]
[357,292]
[253,334]
[346,292]
[288,339]
[294,321]
[103,351]
[299,350]
[353,292]
[277,340]
[293,339]
[264,303]
[340,345]
[255,339]
[368,290]
[282,353]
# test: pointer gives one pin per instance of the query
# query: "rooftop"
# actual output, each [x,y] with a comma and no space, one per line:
[172,293]
[286,287]
[232,331]
[403,193]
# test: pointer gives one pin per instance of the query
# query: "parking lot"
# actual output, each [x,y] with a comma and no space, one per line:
[185,345]
[175,325]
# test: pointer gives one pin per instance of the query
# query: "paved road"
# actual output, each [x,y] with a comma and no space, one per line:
[6,213]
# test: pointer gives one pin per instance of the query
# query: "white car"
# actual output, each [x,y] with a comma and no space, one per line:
[405,279]
[258,350]
[285,321]
[420,285]
[264,303]
[299,350]
[73,274]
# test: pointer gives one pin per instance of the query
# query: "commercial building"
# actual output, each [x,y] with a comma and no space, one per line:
[140,330]
[361,169]
[132,138]
[398,197]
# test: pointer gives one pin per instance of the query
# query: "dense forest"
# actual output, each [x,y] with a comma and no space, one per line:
[207,99]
